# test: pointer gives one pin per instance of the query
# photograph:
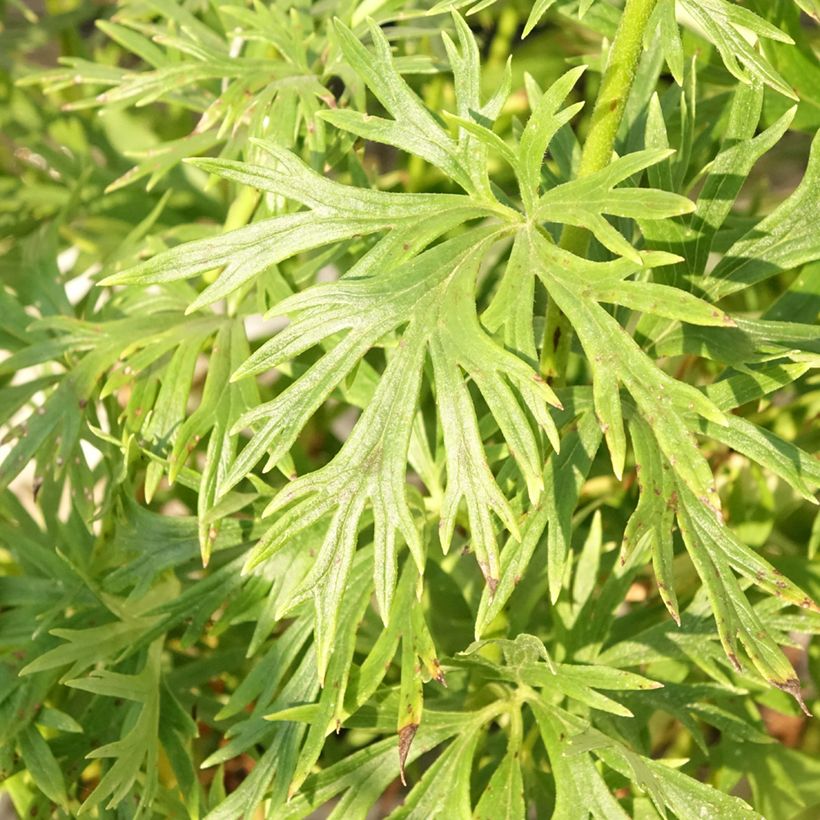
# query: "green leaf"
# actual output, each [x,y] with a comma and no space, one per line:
[781,242]
[734,616]
[466,66]
[740,151]
[541,127]
[411,694]
[582,201]
[414,129]
[444,788]
[503,797]
[43,766]
[792,464]
[721,23]
[580,789]
[661,300]
[138,748]
[539,9]
[334,670]
[327,334]
[564,475]
[376,765]
[662,401]
[654,516]
[670,40]
[56,719]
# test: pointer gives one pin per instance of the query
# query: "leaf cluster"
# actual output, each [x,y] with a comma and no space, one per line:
[293,513]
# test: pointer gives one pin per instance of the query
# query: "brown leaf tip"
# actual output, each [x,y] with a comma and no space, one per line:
[406,735]
[792,687]
[809,603]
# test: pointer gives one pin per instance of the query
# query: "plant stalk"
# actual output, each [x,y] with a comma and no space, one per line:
[616,84]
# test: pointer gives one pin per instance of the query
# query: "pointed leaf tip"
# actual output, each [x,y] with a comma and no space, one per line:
[406,735]
[792,687]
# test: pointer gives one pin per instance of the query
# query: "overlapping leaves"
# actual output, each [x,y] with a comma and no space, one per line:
[430,293]
[423,302]
[430,331]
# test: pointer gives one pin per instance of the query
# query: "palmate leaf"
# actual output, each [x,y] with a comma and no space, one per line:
[372,462]
[581,684]
[569,740]
[337,212]
[380,763]
[393,298]
[348,687]
[667,788]
[446,783]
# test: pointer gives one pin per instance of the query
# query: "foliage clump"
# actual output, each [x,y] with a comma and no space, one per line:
[399,392]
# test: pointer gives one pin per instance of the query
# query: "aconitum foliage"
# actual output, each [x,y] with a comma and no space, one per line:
[409,409]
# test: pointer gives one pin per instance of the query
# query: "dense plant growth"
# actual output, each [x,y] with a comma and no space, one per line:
[404,416]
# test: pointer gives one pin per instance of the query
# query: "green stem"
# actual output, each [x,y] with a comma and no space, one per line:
[606,119]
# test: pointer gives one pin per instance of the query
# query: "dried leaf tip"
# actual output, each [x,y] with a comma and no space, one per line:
[406,735]
[792,687]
